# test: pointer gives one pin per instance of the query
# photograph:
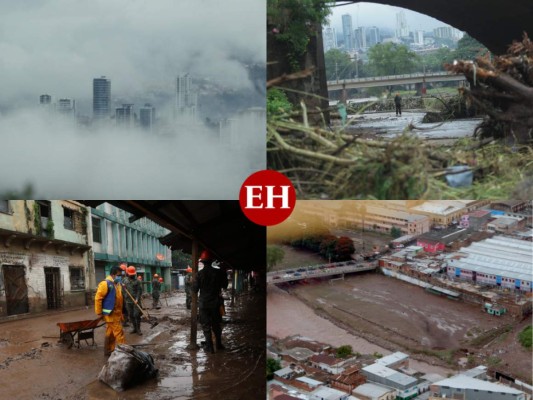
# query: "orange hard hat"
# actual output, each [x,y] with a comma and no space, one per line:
[131,270]
[189,269]
[160,279]
[123,267]
[206,255]
[156,276]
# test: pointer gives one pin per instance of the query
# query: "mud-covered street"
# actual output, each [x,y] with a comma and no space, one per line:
[33,365]
[395,315]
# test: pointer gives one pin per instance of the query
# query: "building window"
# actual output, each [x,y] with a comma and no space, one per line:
[77,278]
[4,206]
[97,230]
[68,221]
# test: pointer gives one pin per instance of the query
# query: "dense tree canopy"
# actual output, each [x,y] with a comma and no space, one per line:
[275,255]
[339,65]
[392,59]
[469,48]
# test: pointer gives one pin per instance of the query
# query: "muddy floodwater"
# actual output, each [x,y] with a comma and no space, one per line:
[376,313]
[33,365]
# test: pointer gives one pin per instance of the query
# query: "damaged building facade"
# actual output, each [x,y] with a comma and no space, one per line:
[45,258]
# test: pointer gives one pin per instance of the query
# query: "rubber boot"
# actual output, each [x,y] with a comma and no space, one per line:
[107,347]
[139,328]
[208,346]
[218,338]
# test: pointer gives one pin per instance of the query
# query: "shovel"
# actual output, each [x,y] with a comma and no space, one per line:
[152,321]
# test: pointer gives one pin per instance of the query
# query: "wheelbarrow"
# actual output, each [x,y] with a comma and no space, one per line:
[73,332]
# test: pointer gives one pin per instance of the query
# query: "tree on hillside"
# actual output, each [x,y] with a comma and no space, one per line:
[392,59]
[327,247]
[275,255]
[180,259]
[435,61]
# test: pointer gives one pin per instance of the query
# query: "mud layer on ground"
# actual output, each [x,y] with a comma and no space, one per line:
[37,367]
[399,316]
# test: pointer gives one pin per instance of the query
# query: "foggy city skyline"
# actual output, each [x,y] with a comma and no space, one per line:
[382,16]
[58,48]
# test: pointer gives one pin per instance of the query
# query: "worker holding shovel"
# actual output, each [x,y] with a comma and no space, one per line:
[133,299]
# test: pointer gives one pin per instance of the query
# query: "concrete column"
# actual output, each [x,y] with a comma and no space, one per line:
[194,297]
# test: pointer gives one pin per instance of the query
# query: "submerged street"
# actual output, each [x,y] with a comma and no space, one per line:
[33,365]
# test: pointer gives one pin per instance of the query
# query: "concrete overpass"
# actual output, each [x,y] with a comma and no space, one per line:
[393,80]
[319,271]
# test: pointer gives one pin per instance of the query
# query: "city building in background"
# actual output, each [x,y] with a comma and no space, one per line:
[402,29]
[101,98]
[372,37]
[147,116]
[360,38]
[186,98]
[45,99]
[124,116]
[66,107]
[117,240]
[330,38]
[347,32]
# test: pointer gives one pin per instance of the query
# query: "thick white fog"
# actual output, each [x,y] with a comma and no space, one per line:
[57,47]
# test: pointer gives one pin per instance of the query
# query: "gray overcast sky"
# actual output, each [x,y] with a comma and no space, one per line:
[59,46]
[371,14]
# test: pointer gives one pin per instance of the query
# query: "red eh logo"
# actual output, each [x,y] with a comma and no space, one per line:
[267,197]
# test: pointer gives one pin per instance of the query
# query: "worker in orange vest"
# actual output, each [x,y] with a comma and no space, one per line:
[108,304]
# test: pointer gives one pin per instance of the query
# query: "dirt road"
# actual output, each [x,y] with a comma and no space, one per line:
[33,367]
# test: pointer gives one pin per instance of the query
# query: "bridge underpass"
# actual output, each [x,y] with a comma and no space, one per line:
[494,23]
[319,271]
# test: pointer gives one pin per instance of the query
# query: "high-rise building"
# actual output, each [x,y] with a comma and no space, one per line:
[101,97]
[443,32]
[347,31]
[402,30]
[147,116]
[124,116]
[186,98]
[372,36]
[45,99]
[330,38]
[66,107]
[419,38]
[360,38]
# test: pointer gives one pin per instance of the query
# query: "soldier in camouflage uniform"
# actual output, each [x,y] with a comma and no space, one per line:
[134,287]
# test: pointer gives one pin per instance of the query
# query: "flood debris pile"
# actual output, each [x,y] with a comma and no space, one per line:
[126,367]
[502,88]
[326,163]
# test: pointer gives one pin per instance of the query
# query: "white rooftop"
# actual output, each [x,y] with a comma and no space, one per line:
[372,390]
[309,381]
[466,382]
[390,374]
[442,207]
[392,358]
[326,393]
[283,371]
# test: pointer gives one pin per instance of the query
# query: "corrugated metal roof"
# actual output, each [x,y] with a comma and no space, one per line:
[466,382]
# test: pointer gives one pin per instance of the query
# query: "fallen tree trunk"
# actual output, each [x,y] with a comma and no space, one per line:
[503,89]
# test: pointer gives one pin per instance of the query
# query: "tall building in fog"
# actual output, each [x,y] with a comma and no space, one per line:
[66,107]
[419,38]
[372,36]
[147,116]
[45,99]
[402,30]
[101,97]
[347,32]
[330,38]
[360,38]
[186,98]
[124,116]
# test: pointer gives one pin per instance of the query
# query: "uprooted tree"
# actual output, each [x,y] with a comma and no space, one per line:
[503,89]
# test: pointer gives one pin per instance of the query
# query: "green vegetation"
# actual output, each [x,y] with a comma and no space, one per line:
[377,355]
[525,337]
[180,259]
[275,255]
[469,48]
[50,228]
[328,246]
[296,22]
[37,218]
[391,59]
[395,232]
[277,103]
[272,366]
[344,351]
[339,65]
